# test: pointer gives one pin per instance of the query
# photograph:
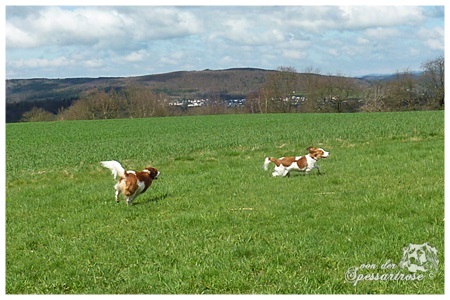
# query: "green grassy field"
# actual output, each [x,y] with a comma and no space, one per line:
[216,222]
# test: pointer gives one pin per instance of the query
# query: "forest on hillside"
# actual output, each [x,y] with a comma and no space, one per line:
[225,91]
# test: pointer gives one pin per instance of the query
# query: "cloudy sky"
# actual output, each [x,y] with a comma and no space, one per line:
[96,41]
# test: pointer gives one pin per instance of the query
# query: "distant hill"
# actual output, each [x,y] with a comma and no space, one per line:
[224,83]
[53,94]
[385,77]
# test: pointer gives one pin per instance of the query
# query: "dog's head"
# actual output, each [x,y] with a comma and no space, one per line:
[154,173]
[317,153]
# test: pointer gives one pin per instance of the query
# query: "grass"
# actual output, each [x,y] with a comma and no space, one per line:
[216,222]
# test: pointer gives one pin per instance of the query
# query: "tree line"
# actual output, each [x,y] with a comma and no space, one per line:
[285,91]
[289,91]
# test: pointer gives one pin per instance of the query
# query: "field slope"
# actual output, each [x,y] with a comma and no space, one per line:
[216,222]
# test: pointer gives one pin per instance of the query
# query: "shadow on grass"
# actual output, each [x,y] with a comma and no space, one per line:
[155,198]
[300,174]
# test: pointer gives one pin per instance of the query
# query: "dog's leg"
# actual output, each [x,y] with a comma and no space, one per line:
[275,172]
[130,199]
[117,188]
[318,169]
[279,171]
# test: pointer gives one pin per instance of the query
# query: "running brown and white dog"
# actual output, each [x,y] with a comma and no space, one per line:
[305,163]
[131,183]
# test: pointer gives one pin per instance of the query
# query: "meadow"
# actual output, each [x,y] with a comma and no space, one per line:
[216,222]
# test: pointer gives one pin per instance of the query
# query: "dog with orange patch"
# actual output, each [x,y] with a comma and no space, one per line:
[305,163]
[131,183]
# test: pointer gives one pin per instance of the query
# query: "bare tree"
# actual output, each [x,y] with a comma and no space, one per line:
[310,85]
[37,115]
[280,87]
[374,98]
[335,91]
[253,102]
[141,102]
[434,74]
[402,92]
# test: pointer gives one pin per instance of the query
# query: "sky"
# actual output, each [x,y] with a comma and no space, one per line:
[125,39]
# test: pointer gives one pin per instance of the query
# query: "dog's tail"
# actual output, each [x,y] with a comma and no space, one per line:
[115,167]
[267,162]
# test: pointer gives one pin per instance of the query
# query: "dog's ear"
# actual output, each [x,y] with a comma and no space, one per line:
[153,172]
[310,149]
[315,153]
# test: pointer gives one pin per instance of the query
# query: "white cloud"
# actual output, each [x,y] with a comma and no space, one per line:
[42,63]
[136,56]
[435,44]
[163,23]
[333,51]
[18,38]
[93,63]
[380,16]
[62,27]
[362,41]
[381,33]
[171,58]
[433,38]
[133,39]
[227,60]
[295,54]
[248,32]
[319,19]
[98,26]
[309,19]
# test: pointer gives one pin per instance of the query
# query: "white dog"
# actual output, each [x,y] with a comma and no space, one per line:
[304,163]
[131,183]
